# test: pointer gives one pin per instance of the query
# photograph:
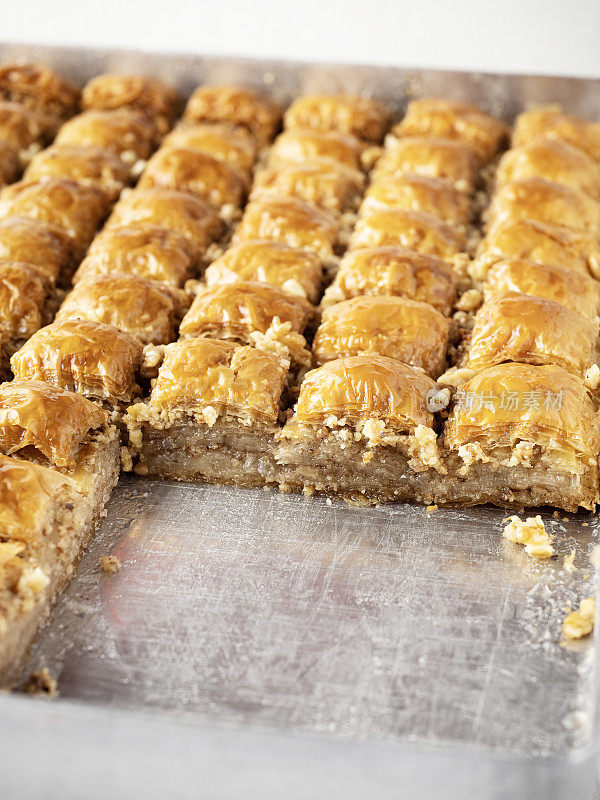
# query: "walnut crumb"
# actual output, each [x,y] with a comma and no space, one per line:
[580,623]
[431,510]
[40,683]
[568,564]
[531,533]
[110,564]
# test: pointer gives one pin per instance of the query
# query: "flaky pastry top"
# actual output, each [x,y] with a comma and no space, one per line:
[509,403]
[44,246]
[320,182]
[533,330]
[228,378]
[76,208]
[553,159]
[181,212]
[423,232]
[300,145]
[551,123]
[433,157]
[393,270]
[291,221]
[454,119]
[20,127]
[293,269]
[22,297]
[39,87]
[111,91]
[543,201]
[234,310]
[95,166]
[348,113]
[570,288]
[397,327]
[189,170]
[410,192]
[82,355]
[235,104]
[149,251]
[364,387]
[129,133]
[54,421]
[144,308]
[232,144]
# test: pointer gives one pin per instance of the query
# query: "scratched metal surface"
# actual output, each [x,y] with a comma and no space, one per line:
[269,646]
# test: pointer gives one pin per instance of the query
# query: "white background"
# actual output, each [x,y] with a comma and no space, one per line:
[544,36]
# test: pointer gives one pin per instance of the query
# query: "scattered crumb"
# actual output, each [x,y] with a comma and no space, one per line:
[585,524]
[328,501]
[531,533]
[110,564]
[431,510]
[556,513]
[595,557]
[40,683]
[580,623]
[568,564]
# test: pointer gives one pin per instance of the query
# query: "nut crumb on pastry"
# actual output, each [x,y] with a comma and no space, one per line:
[531,533]
[580,623]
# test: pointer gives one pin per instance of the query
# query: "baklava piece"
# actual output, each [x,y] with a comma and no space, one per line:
[23,294]
[454,119]
[149,310]
[240,311]
[522,435]
[543,201]
[432,157]
[130,134]
[45,247]
[77,209]
[153,97]
[180,212]
[52,494]
[212,415]
[292,269]
[536,241]
[324,184]
[238,105]
[362,429]
[551,123]
[147,251]
[407,192]
[10,168]
[93,166]
[90,358]
[423,232]
[39,88]
[572,289]
[291,221]
[298,146]
[348,113]
[188,170]
[25,130]
[236,146]
[533,330]
[394,271]
[396,327]
[554,160]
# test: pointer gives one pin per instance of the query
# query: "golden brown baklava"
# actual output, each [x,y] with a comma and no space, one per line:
[237,105]
[292,269]
[25,130]
[395,271]
[152,97]
[212,415]
[551,123]
[298,146]
[410,192]
[147,309]
[149,251]
[130,134]
[38,87]
[237,146]
[423,232]
[347,113]
[43,246]
[83,356]
[92,166]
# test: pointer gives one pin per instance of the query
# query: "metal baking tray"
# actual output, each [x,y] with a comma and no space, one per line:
[261,645]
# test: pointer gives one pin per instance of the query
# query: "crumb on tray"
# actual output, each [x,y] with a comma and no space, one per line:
[531,533]
[40,683]
[110,564]
[580,623]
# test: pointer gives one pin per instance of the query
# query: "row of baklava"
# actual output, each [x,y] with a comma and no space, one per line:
[60,452]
